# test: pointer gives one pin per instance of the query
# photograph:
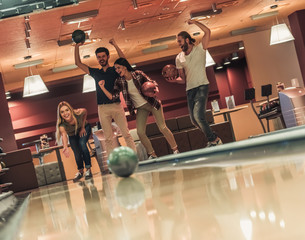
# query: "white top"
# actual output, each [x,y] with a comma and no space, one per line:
[194,67]
[134,94]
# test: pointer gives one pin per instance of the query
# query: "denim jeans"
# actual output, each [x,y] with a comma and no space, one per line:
[197,101]
[80,149]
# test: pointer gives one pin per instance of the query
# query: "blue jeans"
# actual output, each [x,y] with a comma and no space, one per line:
[80,149]
[197,101]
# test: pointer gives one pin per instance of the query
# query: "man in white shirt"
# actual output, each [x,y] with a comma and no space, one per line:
[191,67]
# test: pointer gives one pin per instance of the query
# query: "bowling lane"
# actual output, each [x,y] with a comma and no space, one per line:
[253,189]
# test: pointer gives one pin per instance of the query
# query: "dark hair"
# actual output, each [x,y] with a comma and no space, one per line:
[102,49]
[124,62]
[186,35]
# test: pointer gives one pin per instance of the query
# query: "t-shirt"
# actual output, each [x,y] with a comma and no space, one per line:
[70,129]
[134,94]
[109,76]
[194,67]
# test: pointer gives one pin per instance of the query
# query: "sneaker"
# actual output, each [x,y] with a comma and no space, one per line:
[215,143]
[88,174]
[151,157]
[78,176]
[176,151]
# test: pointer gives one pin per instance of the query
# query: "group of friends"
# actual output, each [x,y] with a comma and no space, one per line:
[72,126]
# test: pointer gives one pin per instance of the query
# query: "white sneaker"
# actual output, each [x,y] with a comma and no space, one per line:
[88,174]
[176,151]
[215,143]
[77,177]
[151,157]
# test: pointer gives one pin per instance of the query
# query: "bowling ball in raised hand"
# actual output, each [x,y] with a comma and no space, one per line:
[148,89]
[169,72]
[123,161]
[78,36]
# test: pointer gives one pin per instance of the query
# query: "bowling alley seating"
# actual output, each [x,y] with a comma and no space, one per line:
[21,172]
[187,136]
[48,173]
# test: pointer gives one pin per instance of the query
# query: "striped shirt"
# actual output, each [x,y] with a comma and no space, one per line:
[138,78]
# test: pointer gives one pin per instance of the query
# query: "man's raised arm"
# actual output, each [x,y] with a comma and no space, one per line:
[119,51]
[207,32]
[78,62]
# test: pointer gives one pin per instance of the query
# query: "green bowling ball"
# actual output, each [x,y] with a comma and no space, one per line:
[123,161]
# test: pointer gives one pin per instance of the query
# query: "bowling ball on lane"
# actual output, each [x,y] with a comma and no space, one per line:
[78,36]
[148,89]
[169,71]
[123,161]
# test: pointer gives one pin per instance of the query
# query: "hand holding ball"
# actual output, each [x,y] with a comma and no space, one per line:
[149,89]
[170,72]
[78,36]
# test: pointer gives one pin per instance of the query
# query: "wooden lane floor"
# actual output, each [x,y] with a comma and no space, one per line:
[239,191]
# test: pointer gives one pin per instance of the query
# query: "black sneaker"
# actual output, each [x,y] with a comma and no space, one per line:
[78,176]
[88,174]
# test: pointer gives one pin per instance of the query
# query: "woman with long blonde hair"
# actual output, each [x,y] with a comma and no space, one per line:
[72,124]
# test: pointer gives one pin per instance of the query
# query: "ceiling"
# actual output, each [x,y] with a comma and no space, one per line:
[140,41]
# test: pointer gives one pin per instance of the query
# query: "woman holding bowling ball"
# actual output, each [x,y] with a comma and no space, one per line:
[130,83]
[72,124]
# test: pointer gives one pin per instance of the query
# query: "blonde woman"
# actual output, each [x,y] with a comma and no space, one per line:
[72,125]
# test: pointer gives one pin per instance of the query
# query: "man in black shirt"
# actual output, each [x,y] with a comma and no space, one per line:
[107,109]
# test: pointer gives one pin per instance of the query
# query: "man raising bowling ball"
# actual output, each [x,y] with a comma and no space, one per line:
[107,109]
[130,84]
[191,67]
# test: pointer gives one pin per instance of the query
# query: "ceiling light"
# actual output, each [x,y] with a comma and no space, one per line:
[280,33]
[122,25]
[79,17]
[214,7]
[154,49]
[164,39]
[8,95]
[28,64]
[88,84]
[234,56]
[27,57]
[204,14]
[241,46]
[27,43]
[27,26]
[64,68]
[264,15]
[34,85]
[227,61]
[135,4]
[219,66]
[27,34]
[242,31]
[209,60]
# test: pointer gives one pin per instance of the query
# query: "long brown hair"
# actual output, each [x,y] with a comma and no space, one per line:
[60,120]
